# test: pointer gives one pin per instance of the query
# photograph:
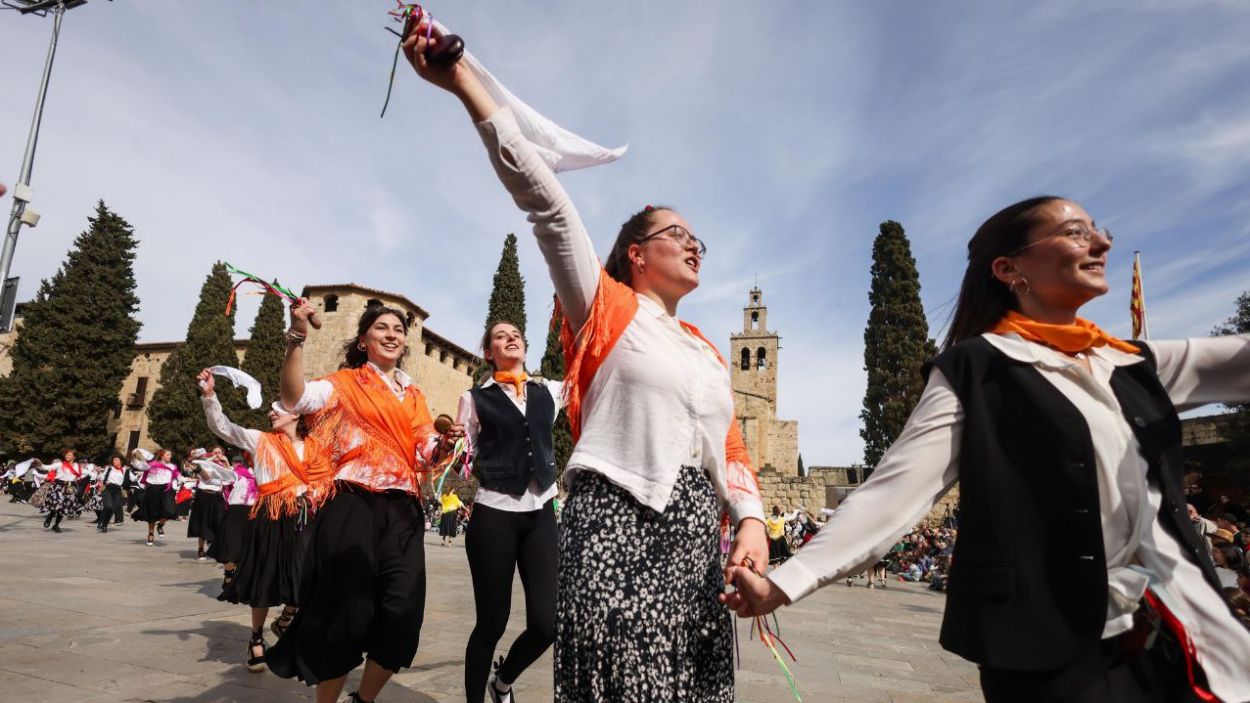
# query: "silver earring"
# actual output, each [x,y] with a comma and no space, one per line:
[361,347]
[1027,288]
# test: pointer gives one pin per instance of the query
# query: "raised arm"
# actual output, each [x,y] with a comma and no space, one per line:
[1196,372]
[562,238]
[291,382]
[218,423]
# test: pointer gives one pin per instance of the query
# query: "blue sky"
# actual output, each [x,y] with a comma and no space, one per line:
[785,132]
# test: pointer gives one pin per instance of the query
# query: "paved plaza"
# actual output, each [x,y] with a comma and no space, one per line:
[90,618]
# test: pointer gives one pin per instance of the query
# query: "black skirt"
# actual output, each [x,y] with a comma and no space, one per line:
[208,509]
[156,504]
[268,572]
[232,535]
[447,524]
[362,588]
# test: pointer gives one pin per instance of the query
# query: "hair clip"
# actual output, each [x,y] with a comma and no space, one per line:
[648,209]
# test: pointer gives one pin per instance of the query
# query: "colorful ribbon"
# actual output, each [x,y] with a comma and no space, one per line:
[405,13]
[461,454]
[272,288]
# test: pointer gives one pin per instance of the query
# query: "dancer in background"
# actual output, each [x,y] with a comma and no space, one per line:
[208,507]
[269,563]
[658,455]
[1101,590]
[113,503]
[449,516]
[58,496]
[363,586]
[233,532]
[507,422]
[156,503]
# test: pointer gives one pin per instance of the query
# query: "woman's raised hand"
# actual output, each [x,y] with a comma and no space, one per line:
[204,379]
[448,77]
[301,310]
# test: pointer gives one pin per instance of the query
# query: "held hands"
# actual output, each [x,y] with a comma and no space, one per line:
[453,433]
[206,382]
[754,594]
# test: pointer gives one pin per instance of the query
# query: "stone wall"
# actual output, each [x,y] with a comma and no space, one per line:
[825,487]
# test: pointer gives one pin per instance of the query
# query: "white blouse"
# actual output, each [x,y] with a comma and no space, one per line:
[661,399]
[534,498]
[113,476]
[924,463]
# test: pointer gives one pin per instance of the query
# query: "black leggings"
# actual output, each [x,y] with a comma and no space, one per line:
[497,543]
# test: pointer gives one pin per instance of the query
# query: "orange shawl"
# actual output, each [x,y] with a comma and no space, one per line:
[391,430]
[613,308]
[1076,337]
[276,452]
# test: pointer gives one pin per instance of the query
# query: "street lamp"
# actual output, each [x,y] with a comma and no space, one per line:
[22,213]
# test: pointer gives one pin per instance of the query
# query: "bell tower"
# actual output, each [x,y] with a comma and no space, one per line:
[753,364]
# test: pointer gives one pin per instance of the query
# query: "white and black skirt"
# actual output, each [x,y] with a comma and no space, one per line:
[636,596]
[232,535]
[268,572]
[156,504]
[208,508]
[59,498]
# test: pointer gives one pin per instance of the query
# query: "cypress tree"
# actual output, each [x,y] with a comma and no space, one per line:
[507,296]
[75,348]
[896,343]
[802,469]
[263,361]
[1238,428]
[552,367]
[176,417]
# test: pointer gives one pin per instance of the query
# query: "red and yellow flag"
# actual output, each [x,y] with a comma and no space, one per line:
[1137,305]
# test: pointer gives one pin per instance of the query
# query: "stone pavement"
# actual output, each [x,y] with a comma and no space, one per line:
[90,618]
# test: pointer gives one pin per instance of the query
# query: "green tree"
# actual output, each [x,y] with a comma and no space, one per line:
[896,343]
[802,469]
[1238,428]
[75,348]
[265,350]
[176,417]
[507,296]
[552,367]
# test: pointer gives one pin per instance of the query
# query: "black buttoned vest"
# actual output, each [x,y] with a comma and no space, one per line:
[513,448]
[1028,581]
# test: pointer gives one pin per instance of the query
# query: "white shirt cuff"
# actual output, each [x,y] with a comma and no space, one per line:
[794,579]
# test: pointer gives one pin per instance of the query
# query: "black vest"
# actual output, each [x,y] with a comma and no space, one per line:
[513,448]
[1028,579]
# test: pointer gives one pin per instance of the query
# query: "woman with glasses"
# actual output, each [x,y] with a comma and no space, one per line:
[658,456]
[1076,575]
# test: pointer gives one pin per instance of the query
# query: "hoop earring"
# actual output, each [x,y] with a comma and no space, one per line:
[1027,288]
[361,347]
[640,265]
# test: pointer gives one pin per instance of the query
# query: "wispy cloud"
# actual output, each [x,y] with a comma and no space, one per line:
[786,133]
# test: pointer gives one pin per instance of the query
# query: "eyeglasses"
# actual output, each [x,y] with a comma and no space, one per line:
[1080,236]
[681,235]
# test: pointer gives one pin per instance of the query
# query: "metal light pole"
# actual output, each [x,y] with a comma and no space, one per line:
[20,214]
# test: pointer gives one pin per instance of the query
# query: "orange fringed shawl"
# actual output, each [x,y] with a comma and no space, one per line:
[276,452]
[389,430]
[613,308]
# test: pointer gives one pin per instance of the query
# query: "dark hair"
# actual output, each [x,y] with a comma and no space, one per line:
[983,299]
[1234,559]
[635,229]
[490,329]
[353,356]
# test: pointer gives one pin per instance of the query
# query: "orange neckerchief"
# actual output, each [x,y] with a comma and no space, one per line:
[391,427]
[516,379]
[276,452]
[613,308]
[1073,338]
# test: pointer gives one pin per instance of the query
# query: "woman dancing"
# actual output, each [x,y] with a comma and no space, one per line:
[112,503]
[507,422]
[269,563]
[232,534]
[658,455]
[208,508]
[1070,437]
[449,516]
[58,495]
[156,505]
[363,587]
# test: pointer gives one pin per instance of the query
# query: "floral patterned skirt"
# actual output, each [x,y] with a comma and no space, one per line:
[637,616]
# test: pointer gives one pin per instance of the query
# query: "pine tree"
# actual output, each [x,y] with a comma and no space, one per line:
[552,367]
[896,343]
[75,348]
[1238,429]
[802,470]
[263,361]
[507,296]
[175,415]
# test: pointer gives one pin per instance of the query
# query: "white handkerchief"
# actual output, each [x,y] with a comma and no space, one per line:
[218,472]
[560,148]
[240,379]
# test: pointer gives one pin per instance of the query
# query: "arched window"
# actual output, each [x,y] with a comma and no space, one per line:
[761,361]
[412,317]
[332,303]
[755,320]
[372,302]
[746,358]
